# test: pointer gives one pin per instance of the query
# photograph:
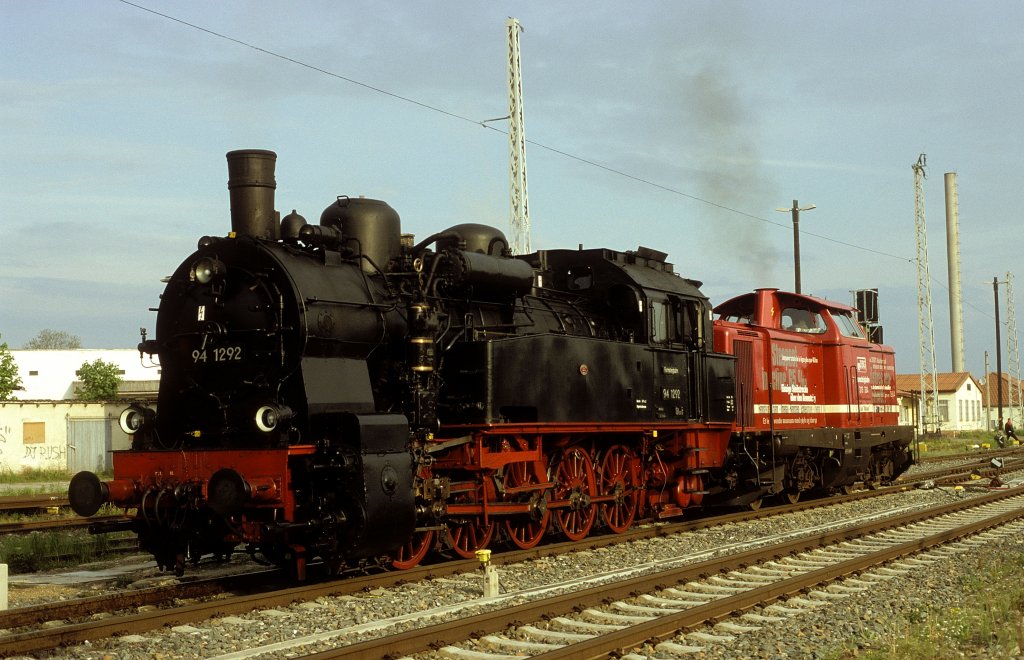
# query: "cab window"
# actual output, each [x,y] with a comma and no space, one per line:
[659,321]
[796,319]
[739,312]
[736,318]
[688,323]
[847,325]
[580,278]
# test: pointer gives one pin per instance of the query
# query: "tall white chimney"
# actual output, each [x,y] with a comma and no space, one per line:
[956,310]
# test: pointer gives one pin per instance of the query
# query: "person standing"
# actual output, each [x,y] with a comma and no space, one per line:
[1008,430]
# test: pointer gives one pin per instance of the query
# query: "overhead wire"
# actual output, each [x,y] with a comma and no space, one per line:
[485,124]
[540,145]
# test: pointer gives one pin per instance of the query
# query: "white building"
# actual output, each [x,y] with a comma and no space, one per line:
[961,407]
[45,428]
[53,375]
[59,435]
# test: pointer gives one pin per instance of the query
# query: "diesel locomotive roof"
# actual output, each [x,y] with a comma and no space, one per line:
[746,303]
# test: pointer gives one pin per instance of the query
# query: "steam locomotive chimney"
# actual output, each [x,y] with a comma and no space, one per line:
[251,185]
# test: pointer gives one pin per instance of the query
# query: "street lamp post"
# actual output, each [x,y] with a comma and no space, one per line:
[796,238]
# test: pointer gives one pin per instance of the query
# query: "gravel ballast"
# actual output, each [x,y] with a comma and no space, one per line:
[865,618]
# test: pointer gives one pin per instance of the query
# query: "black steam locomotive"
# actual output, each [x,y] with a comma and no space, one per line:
[342,392]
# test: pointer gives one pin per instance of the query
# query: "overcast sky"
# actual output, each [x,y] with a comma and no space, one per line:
[680,126]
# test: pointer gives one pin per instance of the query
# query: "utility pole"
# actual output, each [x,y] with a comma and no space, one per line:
[988,396]
[795,210]
[925,329]
[517,143]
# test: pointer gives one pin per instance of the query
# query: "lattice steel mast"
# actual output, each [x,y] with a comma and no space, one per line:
[517,144]
[929,420]
[1016,401]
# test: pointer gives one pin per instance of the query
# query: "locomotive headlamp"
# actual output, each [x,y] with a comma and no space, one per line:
[132,419]
[269,417]
[207,270]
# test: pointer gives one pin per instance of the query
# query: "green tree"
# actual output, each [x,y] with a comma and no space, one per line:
[53,340]
[9,378]
[100,381]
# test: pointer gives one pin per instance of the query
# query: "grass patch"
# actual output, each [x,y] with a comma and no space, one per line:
[939,445]
[988,624]
[29,490]
[30,482]
[31,475]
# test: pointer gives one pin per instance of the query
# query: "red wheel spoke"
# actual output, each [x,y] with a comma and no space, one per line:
[467,535]
[525,530]
[575,483]
[413,552]
[617,480]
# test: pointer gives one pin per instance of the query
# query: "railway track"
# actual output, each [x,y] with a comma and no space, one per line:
[669,609]
[21,503]
[54,524]
[78,630]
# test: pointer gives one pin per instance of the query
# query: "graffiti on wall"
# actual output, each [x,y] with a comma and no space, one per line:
[45,452]
[4,432]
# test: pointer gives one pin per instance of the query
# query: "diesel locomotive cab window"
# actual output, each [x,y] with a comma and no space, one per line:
[802,320]
[847,325]
[739,312]
[736,318]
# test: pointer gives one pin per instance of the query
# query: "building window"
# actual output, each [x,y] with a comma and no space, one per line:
[33,432]
[960,409]
[33,373]
[943,411]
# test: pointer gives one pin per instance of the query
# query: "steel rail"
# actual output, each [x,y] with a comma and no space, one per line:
[668,626]
[77,632]
[54,524]
[424,639]
[23,502]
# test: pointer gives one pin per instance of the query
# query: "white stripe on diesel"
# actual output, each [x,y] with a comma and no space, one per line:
[805,409]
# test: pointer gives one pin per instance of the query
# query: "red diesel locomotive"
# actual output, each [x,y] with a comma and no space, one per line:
[339,392]
[812,389]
